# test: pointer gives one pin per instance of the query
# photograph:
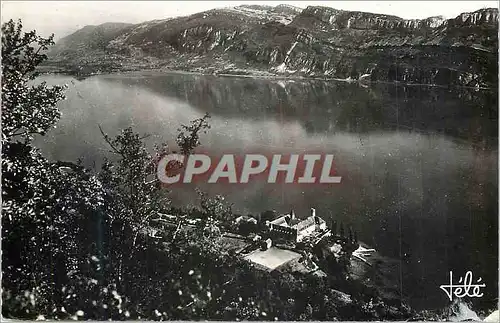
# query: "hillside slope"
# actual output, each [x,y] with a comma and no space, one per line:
[284,40]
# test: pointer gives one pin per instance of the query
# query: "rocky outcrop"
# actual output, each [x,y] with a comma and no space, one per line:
[314,42]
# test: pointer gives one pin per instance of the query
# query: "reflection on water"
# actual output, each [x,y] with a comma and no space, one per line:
[418,164]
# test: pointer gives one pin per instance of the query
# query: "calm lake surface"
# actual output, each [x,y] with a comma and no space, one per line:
[419,165]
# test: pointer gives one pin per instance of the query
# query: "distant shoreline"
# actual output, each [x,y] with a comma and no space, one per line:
[262,75]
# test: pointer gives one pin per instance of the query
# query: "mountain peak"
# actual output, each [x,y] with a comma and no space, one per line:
[316,41]
[484,15]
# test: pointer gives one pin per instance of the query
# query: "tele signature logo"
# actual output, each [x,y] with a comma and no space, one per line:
[464,287]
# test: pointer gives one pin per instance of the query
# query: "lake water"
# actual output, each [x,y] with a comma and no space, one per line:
[419,165]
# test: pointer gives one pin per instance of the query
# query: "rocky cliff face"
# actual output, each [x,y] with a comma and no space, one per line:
[284,40]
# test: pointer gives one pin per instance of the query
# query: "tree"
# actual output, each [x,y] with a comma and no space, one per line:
[334,227]
[215,208]
[189,136]
[351,235]
[267,215]
[134,192]
[42,202]
[354,72]
[27,109]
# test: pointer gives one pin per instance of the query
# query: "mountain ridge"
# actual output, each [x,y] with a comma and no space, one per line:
[317,41]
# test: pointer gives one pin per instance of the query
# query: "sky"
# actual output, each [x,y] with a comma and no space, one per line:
[65,17]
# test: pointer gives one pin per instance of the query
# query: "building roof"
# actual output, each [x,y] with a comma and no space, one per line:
[286,221]
[281,221]
[305,223]
[245,218]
